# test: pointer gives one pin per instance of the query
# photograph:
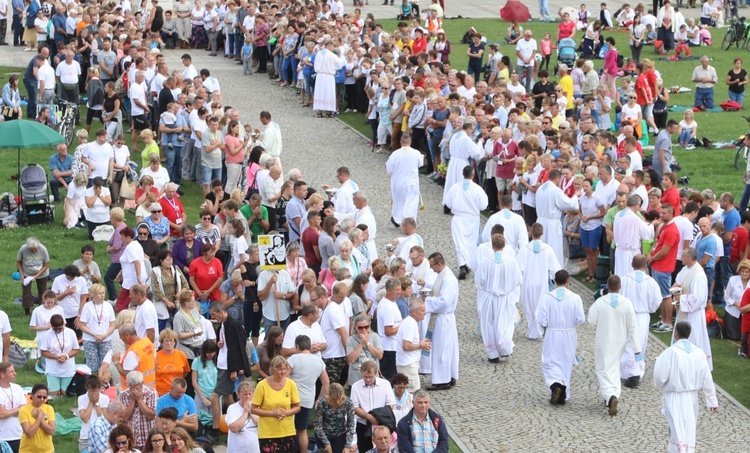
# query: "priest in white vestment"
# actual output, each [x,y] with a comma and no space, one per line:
[496,279]
[364,216]
[560,311]
[629,231]
[343,198]
[516,233]
[403,168]
[692,301]
[466,200]
[644,293]
[551,201]
[418,270]
[462,148]
[614,318]
[538,263]
[441,307]
[680,373]
[326,65]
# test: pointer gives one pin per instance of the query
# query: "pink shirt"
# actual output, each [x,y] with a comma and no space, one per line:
[610,62]
[546,47]
[234,142]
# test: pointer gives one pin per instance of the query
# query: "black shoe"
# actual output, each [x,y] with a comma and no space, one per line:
[632,382]
[437,387]
[180,192]
[452,382]
[556,394]
[495,360]
[446,210]
[462,273]
[394,223]
[612,405]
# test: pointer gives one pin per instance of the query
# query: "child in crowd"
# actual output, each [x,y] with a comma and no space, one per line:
[247,57]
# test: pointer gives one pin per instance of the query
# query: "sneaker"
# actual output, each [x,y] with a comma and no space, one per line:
[656,325]
[347,110]
[665,328]
[690,147]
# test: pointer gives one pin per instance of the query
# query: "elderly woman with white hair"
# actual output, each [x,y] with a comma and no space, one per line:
[32,262]
[75,201]
[78,166]
[348,259]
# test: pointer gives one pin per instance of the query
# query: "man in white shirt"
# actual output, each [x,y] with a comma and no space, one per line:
[99,156]
[525,50]
[68,72]
[72,293]
[138,106]
[389,320]
[146,321]
[276,291]
[410,344]
[306,324]
[270,136]
[12,397]
[335,328]
[369,393]
[133,263]
[45,77]
[189,73]
[606,189]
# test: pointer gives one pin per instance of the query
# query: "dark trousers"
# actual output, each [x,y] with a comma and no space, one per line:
[30,85]
[17,39]
[722,278]
[335,367]
[27,298]
[71,95]
[70,323]
[3,30]
[252,318]
[273,219]
[364,437]
[109,280]
[261,53]
[55,186]
[14,445]
[732,327]
[388,365]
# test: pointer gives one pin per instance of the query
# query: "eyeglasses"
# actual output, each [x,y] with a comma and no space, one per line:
[562,128]
[206,218]
[159,212]
[363,327]
[142,234]
[41,397]
[632,97]
[315,300]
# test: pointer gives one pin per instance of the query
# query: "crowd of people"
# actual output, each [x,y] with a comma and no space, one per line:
[172,352]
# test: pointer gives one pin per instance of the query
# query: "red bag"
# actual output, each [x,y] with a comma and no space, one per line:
[730,106]
[683,48]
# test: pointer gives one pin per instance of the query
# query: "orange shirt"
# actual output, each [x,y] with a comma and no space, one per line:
[168,367]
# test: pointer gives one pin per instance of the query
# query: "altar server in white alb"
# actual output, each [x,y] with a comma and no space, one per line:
[692,301]
[629,230]
[560,312]
[614,318]
[462,148]
[466,200]
[644,293]
[681,372]
[403,168]
[441,306]
[365,216]
[497,278]
[343,199]
[326,64]
[551,201]
[484,250]
[538,263]
[515,231]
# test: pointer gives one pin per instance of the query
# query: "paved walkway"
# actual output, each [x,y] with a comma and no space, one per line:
[493,408]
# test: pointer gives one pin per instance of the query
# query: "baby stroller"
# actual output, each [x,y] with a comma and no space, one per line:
[566,53]
[35,207]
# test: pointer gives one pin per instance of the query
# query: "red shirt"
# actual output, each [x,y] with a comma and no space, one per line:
[740,237]
[745,327]
[309,240]
[173,211]
[206,274]
[139,191]
[668,235]
[565,30]
[621,148]
[419,46]
[509,151]
[642,84]
[672,196]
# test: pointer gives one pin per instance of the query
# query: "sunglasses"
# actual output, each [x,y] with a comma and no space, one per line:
[363,327]
[41,397]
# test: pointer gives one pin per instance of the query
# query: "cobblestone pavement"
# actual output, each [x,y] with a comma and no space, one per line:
[494,408]
[499,407]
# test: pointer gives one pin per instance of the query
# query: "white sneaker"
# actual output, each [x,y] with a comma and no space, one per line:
[690,147]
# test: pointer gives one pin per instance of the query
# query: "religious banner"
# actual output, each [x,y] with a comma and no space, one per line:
[272,251]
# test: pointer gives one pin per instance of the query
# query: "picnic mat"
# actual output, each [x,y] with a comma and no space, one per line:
[682,108]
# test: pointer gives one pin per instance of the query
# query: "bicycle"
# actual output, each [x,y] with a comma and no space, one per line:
[742,150]
[67,124]
[735,34]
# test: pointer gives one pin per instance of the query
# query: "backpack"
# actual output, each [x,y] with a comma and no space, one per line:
[120,89]
[17,356]
[77,385]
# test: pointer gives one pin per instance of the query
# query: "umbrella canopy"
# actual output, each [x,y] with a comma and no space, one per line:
[514,10]
[19,134]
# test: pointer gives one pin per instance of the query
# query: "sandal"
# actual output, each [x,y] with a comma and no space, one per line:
[320,114]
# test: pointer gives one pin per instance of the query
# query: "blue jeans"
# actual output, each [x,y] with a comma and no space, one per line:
[286,69]
[722,277]
[174,161]
[30,85]
[528,72]
[267,324]
[475,70]
[237,39]
[195,164]
[704,96]
[737,97]
[310,85]
[685,137]
[710,276]
[209,174]
[544,8]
